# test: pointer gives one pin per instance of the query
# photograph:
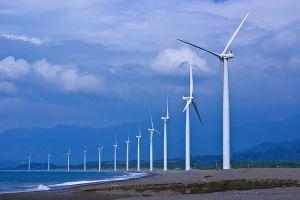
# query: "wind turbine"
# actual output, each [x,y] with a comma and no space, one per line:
[224,56]
[49,156]
[165,120]
[84,159]
[29,162]
[115,155]
[100,149]
[190,99]
[151,130]
[127,153]
[68,159]
[138,137]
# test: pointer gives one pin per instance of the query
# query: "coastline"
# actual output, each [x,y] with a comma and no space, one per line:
[180,184]
[61,184]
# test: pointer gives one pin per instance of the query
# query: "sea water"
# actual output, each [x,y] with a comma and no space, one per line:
[24,181]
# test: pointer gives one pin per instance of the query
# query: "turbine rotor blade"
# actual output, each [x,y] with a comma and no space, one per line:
[211,52]
[197,111]
[191,81]
[151,120]
[139,127]
[234,35]
[187,104]
[156,131]
[167,107]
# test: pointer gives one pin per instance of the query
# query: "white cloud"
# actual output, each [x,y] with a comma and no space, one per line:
[7,87]
[23,38]
[144,25]
[13,69]
[295,62]
[171,61]
[65,79]
[74,81]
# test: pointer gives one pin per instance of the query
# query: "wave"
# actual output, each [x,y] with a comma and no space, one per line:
[25,189]
[40,188]
[87,182]
[69,184]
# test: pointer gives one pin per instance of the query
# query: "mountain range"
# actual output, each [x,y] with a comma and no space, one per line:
[264,140]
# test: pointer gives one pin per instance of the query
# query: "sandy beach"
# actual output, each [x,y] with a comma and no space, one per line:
[277,183]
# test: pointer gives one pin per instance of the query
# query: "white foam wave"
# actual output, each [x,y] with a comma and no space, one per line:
[33,188]
[86,182]
[40,188]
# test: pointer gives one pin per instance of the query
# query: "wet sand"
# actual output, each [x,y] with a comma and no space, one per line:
[195,184]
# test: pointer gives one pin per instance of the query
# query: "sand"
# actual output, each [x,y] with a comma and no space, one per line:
[196,184]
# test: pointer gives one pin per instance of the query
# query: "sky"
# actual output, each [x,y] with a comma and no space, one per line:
[99,62]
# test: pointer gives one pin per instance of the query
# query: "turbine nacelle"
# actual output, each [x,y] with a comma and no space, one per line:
[115,146]
[100,148]
[187,98]
[151,130]
[165,119]
[227,55]
[138,136]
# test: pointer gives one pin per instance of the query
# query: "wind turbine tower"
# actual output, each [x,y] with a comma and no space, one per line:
[68,159]
[151,130]
[100,149]
[138,137]
[29,162]
[165,120]
[49,157]
[190,99]
[224,56]
[127,153]
[115,155]
[84,159]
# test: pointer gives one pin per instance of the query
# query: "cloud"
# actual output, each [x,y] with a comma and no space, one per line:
[23,38]
[171,62]
[295,62]
[13,69]
[132,37]
[7,87]
[283,40]
[44,73]
[142,25]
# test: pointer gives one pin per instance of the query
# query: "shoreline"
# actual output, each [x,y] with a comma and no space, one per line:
[179,184]
[76,183]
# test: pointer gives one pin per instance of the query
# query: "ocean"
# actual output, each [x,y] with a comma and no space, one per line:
[24,181]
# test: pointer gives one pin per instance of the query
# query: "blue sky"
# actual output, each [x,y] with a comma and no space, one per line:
[99,63]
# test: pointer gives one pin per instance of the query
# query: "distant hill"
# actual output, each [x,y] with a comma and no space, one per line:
[281,151]
[16,144]
[249,134]
[287,151]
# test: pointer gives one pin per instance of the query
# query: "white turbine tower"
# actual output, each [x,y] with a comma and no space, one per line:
[138,137]
[84,159]
[29,162]
[190,99]
[115,155]
[224,56]
[127,153]
[49,157]
[100,149]
[68,159]
[151,130]
[165,120]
